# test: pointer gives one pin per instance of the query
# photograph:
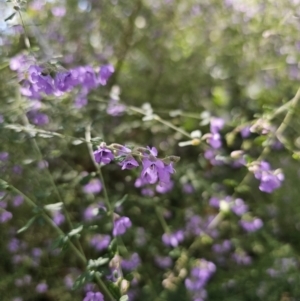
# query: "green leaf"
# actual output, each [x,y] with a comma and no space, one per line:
[114,289]
[54,207]
[124,298]
[28,224]
[120,202]
[83,279]
[60,242]
[98,262]
[75,231]
[10,17]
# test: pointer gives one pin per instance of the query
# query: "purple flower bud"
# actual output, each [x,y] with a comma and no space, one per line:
[121,225]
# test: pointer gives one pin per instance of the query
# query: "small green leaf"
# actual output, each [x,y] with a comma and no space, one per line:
[124,298]
[75,231]
[83,279]
[54,207]
[10,17]
[120,202]
[28,224]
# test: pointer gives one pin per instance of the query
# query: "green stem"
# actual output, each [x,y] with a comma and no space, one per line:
[78,253]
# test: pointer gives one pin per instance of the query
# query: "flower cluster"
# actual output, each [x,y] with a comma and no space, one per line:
[199,276]
[154,169]
[37,81]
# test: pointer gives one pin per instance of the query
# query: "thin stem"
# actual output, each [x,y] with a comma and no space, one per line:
[48,219]
[98,168]
[159,119]
[162,220]
[59,197]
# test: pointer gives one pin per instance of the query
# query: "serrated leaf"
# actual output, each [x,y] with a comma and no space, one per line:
[120,202]
[28,224]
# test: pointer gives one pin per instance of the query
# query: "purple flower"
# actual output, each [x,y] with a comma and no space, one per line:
[100,242]
[58,11]
[38,118]
[81,100]
[200,275]
[132,263]
[245,132]
[85,76]
[241,258]
[164,187]
[103,155]
[215,140]
[58,218]
[216,124]
[239,207]
[4,156]
[44,83]
[63,81]
[115,108]
[270,180]
[41,288]
[5,216]
[173,239]
[121,225]
[225,246]
[188,188]
[105,72]
[163,262]
[90,296]
[251,226]
[148,191]
[91,212]
[128,163]
[93,187]
[150,170]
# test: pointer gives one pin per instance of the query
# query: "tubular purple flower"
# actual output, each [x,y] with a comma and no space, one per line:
[128,163]
[103,155]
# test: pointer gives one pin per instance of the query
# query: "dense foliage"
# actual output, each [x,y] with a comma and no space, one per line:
[149,150]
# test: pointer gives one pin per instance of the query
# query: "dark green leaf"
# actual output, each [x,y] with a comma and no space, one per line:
[28,224]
